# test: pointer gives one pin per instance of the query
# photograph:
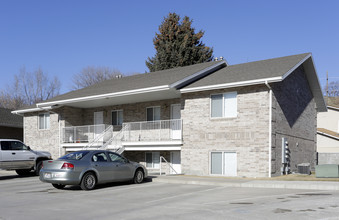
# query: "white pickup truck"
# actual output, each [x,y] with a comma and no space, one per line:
[15,155]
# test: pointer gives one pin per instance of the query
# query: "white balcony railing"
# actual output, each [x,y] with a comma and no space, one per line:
[165,130]
[148,131]
[82,134]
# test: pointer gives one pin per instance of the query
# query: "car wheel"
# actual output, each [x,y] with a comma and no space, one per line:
[138,176]
[88,181]
[58,186]
[23,172]
[38,168]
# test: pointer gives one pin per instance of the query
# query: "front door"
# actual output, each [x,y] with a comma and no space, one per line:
[98,125]
[175,162]
[230,163]
[176,123]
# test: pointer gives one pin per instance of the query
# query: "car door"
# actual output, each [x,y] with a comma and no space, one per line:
[122,169]
[22,157]
[6,155]
[102,165]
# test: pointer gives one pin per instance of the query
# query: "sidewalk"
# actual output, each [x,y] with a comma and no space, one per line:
[297,183]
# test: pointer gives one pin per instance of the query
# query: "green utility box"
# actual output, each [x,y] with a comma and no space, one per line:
[327,171]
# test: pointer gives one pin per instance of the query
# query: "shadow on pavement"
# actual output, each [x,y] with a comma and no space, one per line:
[107,185]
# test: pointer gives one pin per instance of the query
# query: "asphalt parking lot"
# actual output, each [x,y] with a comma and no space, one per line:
[28,198]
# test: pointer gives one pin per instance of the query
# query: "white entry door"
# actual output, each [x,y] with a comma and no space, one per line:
[175,162]
[176,124]
[230,164]
[98,124]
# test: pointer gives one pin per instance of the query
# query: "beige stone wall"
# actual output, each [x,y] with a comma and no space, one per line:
[45,140]
[247,134]
[135,112]
[48,140]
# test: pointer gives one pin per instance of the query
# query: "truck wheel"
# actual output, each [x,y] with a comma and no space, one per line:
[23,172]
[38,168]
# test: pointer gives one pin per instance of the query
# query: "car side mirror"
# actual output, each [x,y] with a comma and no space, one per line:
[29,148]
[126,161]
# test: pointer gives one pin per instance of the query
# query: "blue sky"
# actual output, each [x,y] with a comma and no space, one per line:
[64,36]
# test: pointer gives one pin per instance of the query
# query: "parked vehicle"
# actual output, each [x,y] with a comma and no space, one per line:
[88,168]
[15,155]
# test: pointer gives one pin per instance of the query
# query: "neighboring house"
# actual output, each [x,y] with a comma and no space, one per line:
[11,126]
[328,136]
[204,119]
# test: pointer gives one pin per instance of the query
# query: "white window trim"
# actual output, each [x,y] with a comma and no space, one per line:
[152,152]
[45,113]
[223,162]
[117,110]
[153,111]
[223,105]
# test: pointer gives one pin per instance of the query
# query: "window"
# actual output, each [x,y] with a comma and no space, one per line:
[44,121]
[13,145]
[153,160]
[224,105]
[223,163]
[99,157]
[74,156]
[116,158]
[117,117]
[153,113]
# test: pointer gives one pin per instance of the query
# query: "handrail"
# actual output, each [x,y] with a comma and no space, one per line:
[116,137]
[95,140]
[162,158]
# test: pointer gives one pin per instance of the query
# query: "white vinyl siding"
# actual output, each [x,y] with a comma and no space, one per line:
[224,105]
[153,113]
[117,117]
[44,121]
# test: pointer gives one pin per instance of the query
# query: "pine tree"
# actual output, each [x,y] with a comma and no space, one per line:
[177,44]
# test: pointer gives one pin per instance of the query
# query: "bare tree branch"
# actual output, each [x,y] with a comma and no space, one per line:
[91,75]
[29,88]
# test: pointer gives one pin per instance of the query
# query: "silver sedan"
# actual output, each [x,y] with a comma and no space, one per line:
[88,168]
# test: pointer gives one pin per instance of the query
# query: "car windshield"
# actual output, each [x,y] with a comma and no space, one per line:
[74,156]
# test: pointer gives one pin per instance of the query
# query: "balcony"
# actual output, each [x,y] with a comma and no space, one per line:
[148,135]
[81,134]
[150,131]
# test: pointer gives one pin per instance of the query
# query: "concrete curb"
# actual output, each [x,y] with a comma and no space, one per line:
[308,185]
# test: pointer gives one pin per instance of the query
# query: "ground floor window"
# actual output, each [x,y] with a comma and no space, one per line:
[223,163]
[153,160]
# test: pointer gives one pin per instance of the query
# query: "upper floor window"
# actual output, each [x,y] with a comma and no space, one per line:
[153,113]
[224,105]
[117,117]
[44,121]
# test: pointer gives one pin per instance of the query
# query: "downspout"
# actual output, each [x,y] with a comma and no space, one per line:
[269,131]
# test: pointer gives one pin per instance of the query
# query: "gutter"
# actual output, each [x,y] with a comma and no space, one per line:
[108,95]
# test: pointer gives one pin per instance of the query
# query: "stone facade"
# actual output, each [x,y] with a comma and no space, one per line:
[46,140]
[49,140]
[247,134]
[294,117]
